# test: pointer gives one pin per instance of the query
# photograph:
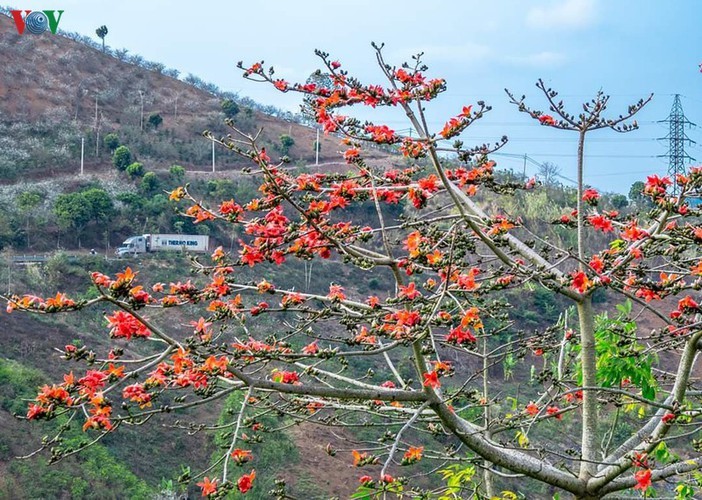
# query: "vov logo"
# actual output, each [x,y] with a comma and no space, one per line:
[36,22]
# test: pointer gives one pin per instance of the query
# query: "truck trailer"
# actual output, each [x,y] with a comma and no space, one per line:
[159,242]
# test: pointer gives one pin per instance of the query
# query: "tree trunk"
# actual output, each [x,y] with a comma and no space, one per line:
[588,359]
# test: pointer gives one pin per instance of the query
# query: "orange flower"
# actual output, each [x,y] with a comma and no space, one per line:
[531,409]
[359,459]
[208,487]
[241,456]
[414,454]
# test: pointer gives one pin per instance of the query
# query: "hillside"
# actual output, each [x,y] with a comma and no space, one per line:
[49,87]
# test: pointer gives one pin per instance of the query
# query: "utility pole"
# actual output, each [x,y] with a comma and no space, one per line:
[97,128]
[97,135]
[316,149]
[213,156]
[82,154]
[677,138]
[141,121]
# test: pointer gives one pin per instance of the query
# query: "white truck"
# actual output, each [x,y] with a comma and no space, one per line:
[158,242]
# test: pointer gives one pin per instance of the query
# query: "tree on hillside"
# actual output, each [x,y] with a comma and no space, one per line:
[286,142]
[122,158]
[111,142]
[155,120]
[74,211]
[27,203]
[416,368]
[99,204]
[101,32]
[135,170]
[548,173]
[636,192]
[230,108]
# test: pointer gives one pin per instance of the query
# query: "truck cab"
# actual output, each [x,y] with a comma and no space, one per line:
[132,246]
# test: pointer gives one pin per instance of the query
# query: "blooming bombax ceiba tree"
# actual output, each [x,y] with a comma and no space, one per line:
[433,337]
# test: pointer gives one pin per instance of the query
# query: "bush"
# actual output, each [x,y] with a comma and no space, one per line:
[286,142]
[149,183]
[122,158]
[155,120]
[230,108]
[135,170]
[177,173]
[111,142]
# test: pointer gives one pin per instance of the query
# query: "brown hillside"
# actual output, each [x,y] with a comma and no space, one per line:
[53,80]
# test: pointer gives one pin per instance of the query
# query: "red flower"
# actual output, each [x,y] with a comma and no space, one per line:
[365,480]
[591,196]
[336,293]
[554,410]
[601,222]
[547,120]
[643,479]
[668,417]
[531,409]
[581,282]
[281,85]
[245,482]
[124,325]
[431,379]
[409,292]
[460,335]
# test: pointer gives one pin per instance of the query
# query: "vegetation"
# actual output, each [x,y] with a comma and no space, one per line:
[415,359]
[122,158]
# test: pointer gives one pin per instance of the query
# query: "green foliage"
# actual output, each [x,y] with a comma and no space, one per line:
[636,191]
[96,474]
[619,201]
[286,142]
[177,173]
[459,481]
[230,108]
[135,170]
[149,183]
[122,158]
[621,358]
[99,204]
[71,211]
[155,120]
[111,142]
[29,200]
[76,210]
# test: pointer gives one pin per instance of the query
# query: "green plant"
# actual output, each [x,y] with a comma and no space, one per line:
[111,142]
[135,170]
[122,158]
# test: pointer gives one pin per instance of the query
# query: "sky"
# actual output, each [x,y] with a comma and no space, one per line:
[627,48]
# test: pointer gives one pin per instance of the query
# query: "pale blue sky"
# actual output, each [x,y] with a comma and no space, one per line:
[628,48]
